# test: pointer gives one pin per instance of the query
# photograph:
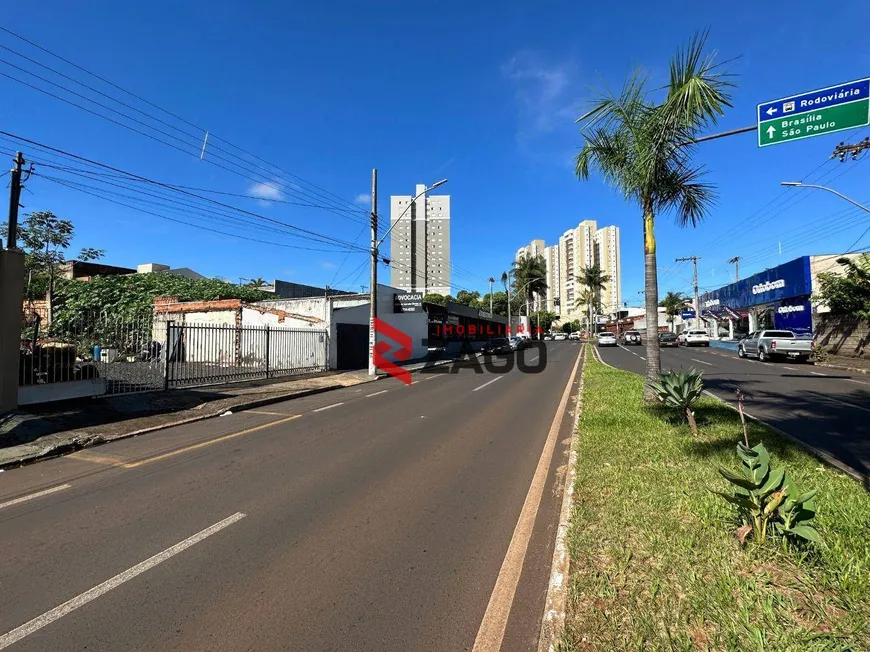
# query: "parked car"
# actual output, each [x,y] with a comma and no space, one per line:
[496,346]
[772,345]
[560,337]
[668,339]
[574,336]
[631,337]
[606,339]
[694,338]
[518,343]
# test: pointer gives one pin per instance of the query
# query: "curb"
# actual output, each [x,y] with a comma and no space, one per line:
[92,441]
[820,454]
[555,610]
[842,368]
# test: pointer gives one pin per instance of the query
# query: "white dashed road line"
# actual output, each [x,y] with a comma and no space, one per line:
[709,364]
[328,407]
[816,373]
[860,382]
[80,600]
[383,391]
[490,382]
[44,492]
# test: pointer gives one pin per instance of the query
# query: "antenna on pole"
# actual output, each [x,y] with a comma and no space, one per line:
[204,141]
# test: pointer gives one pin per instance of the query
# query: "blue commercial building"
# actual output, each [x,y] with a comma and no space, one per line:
[778,297]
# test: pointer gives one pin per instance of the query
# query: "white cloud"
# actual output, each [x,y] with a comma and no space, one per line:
[363,199]
[541,90]
[266,191]
[328,265]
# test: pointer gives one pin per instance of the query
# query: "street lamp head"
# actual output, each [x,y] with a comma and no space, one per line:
[791,183]
[436,184]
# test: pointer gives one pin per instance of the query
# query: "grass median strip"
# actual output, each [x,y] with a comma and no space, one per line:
[654,561]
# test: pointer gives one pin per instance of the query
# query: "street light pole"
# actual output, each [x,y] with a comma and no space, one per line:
[491,281]
[798,184]
[376,246]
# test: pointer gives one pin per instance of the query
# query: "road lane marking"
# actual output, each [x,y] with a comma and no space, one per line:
[38,494]
[709,364]
[790,368]
[92,594]
[816,373]
[860,382]
[829,398]
[96,459]
[328,407]
[383,391]
[271,414]
[203,444]
[641,357]
[489,382]
[492,628]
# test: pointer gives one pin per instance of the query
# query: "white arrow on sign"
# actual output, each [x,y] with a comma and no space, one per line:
[770,111]
[770,131]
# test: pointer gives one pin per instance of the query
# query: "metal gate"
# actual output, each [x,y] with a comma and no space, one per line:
[206,354]
[353,346]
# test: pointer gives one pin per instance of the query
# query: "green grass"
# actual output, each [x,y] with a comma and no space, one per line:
[654,561]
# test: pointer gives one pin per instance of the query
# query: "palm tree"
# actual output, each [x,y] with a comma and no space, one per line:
[593,278]
[673,303]
[641,141]
[530,277]
[588,300]
[257,282]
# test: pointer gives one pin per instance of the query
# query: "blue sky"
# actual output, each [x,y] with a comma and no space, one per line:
[483,93]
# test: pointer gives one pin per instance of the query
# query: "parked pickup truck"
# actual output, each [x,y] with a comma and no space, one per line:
[770,345]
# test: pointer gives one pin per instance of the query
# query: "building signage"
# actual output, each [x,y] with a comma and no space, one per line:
[687,314]
[408,302]
[818,112]
[790,280]
[795,316]
[711,302]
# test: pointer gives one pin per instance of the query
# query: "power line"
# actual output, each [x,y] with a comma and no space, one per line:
[336,199]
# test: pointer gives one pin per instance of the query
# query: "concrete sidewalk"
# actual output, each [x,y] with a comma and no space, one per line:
[51,429]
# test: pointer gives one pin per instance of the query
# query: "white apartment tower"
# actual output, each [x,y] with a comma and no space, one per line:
[607,258]
[420,242]
[554,303]
[576,252]
[534,248]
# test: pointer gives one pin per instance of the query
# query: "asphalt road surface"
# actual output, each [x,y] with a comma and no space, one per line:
[381,517]
[827,408]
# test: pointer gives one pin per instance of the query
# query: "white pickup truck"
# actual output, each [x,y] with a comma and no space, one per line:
[770,345]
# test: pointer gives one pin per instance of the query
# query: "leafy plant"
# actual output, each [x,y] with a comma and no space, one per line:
[767,499]
[680,389]
[820,354]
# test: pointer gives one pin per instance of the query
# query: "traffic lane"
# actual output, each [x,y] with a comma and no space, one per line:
[232,487]
[108,509]
[823,409]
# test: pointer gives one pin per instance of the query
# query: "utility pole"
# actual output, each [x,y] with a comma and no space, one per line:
[373,287]
[694,260]
[491,281]
[14,197]
[736,262]
[843,150]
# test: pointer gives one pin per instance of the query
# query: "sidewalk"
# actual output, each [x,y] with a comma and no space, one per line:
[859,365]
[51,429]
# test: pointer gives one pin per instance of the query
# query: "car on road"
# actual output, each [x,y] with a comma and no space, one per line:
[574,336]
[631,337]
[606,339]
[694,338]
[773,345]
[518,343]
[668,339]
[560,337]
[497,345]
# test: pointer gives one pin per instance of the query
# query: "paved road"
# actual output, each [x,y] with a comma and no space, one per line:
[826,408]
[374,518]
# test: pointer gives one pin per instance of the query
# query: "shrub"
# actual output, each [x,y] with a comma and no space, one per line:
[680,389]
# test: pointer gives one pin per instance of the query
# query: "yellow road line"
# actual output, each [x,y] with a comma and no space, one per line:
[132,465]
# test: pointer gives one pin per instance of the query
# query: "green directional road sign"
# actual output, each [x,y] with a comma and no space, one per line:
[815,113]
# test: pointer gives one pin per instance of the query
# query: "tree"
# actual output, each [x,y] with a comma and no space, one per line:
[530,278]
[257,282]
[566,327]
[848,293]
[673,303]
[499,303]
[595,280]
[434,297]
[467,298]
[589,303]
[641,141]
[544,319]
[45,238]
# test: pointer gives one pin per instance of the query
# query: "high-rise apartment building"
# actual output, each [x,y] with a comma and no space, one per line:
[579,248]
[533,249]
[554,303]
[420,242]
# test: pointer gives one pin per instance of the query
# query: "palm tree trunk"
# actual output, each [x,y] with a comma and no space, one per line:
[651,285]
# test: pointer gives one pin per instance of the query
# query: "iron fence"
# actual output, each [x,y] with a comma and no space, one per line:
[209,354]
[104,354]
